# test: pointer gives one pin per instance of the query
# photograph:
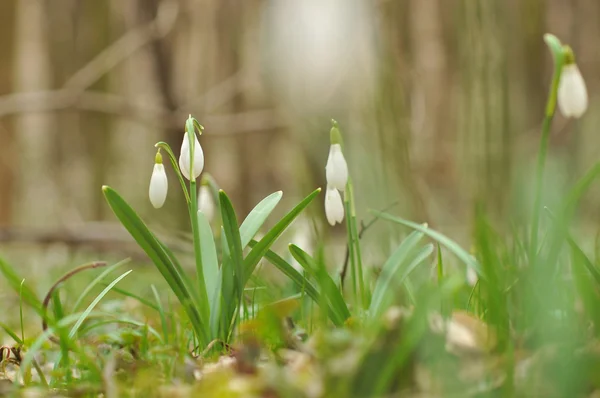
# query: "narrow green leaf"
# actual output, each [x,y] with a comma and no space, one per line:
[451,245]
[257,217]
[163,260]
[261,248]
[399,258]
[161,312]
[210,261]
[328,286]
[95,282]
[94,303]
[232,233]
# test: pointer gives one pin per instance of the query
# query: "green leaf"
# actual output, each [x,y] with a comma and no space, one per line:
[210,261]
[328,286]
[258,216]
[451,245]
[232,233]
[301,282]
[261,248]
[386,280]
[163,259]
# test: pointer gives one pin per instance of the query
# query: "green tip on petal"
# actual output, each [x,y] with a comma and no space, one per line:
[335,137]
[158,157]
[569,55]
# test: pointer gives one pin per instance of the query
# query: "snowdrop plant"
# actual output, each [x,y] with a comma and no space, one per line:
[336,172]
[213,299]
[568,89]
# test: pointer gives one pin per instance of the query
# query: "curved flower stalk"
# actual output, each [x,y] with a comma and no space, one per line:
[572,92]
[159,185]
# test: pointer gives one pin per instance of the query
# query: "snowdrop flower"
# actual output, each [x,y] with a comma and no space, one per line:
[184,158]
[159,184]
[334,207]
[572,93]
[206,203]
[336,169]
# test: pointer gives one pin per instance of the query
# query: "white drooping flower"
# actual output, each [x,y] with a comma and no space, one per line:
[206,203]
[184,158]
[159,185]
[334,207]
[572,93]
[336,169]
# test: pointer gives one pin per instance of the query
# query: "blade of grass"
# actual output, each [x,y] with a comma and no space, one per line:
[95,282]
[448,243]
[94,303]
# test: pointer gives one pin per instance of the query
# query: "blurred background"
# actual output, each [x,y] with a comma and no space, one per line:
[440,103]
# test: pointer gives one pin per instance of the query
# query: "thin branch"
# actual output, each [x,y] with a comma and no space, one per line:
[124,47]
[146,112]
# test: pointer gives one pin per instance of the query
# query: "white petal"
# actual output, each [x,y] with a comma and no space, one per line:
[336,169]
[572,93]
[334,207]
[206,203]
[159,186]
[184,157]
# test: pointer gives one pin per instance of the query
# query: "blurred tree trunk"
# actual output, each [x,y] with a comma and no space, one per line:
[484,123]
[7,160]
[35,195]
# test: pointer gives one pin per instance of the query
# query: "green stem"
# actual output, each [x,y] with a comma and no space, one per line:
[558,54]
[348,209]
[355,252]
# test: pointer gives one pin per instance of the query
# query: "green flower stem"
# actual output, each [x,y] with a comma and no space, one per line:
[355,251]
[351,252]
[167,149]
[558,54]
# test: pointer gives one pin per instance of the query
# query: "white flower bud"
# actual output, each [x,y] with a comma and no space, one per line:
[334,207]
[159,185]
[472,277]
[184,158]
[336,169]
[572,93]
[206,203]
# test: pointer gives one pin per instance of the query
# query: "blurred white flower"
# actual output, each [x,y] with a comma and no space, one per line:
[334,207]
[159,185]
[572,93]
[472,277]
[206,203]
[184,158]
[336,169]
